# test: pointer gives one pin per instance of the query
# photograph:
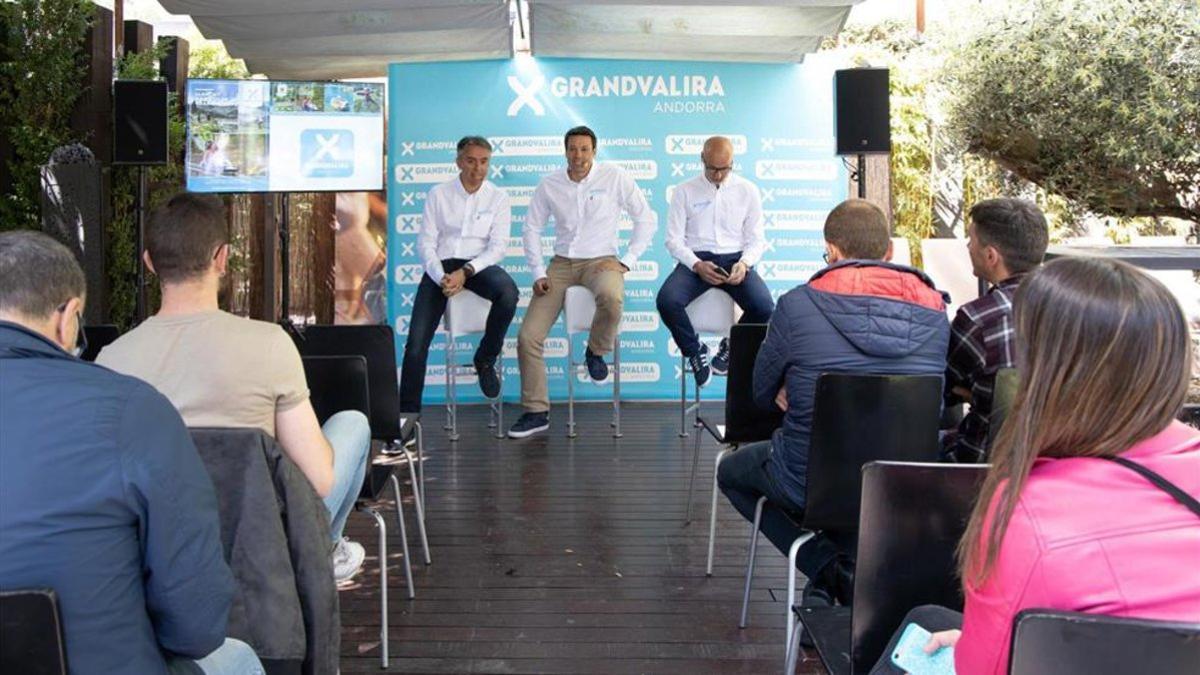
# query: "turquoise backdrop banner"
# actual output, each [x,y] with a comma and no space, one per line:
[651,118]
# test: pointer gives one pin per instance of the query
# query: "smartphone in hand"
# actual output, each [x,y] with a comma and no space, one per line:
[722,271]
[910,655]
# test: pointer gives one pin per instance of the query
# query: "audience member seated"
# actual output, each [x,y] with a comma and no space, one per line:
[1065,520]
[102,495]
[858,315]
[1006,238]
[222,370]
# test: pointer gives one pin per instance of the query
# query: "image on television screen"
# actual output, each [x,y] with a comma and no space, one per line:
[284,136]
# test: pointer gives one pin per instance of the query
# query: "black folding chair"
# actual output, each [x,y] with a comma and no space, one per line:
[1048,642]
[745,422]
[31,633]
[338,383]
[857,419]
[912,517]
[375,343]
[98,337]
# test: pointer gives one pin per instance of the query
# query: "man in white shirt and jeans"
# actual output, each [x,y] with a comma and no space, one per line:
[585,200]
[464,234]
[715,231]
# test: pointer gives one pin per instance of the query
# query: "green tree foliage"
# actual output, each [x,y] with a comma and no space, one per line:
[41,73]
[1098,102]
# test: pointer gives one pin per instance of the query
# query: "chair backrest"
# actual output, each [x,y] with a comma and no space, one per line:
[466,313]
[712,312]
[1047,642]
[31,633]
[745,422]
[1004,390]
[947,262]
[375,343]
[859,419]
[98,337]
[578,309]
[337,383]
[912,518]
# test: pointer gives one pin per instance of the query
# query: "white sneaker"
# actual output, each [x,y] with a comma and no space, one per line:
[348,559]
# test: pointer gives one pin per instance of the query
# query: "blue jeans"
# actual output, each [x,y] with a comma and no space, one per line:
[234,657]
[684,286]
[492,284]
[349,433]
[744,477]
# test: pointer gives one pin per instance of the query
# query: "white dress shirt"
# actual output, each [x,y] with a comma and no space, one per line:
[458,224]
[725,219]
[586,216]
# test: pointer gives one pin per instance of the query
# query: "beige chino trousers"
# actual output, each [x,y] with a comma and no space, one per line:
[605,278]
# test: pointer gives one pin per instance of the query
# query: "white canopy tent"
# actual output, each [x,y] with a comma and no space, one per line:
[317,39]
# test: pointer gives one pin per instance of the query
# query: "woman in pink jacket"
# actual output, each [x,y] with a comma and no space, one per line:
[1063,522]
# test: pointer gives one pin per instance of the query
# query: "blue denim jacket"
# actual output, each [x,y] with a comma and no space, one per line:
[104,499]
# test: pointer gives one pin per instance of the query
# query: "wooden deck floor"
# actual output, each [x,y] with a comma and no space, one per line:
[560,556]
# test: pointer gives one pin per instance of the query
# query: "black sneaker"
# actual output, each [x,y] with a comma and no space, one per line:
[596,367]
[720,362]
[529,424]
[699,364]
[489,380]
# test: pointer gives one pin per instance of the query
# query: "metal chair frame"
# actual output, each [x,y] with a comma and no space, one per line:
[454,369]
[573,367]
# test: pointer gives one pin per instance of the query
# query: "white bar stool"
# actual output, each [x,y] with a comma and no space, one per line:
[579,308]
[713,313]
[466,313]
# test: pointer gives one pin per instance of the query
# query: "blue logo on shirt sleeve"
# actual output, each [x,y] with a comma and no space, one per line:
[327,153]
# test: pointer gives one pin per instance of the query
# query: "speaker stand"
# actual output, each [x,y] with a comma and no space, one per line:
[861,176]
[139,245]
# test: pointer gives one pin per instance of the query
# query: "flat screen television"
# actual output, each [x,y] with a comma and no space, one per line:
[284,136]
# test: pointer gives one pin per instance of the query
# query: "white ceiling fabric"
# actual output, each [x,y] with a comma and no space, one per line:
[318,39]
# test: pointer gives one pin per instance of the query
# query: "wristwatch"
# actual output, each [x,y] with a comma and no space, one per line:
[468,270]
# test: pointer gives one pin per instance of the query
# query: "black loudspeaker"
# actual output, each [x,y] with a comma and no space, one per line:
[139,122]
[862,117]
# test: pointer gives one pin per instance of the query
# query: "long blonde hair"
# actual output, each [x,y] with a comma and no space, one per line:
[1104,356]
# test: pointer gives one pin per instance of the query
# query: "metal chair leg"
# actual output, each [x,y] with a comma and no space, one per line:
[571,369]
[791,593]
[758,509]
[452,389]
[449,379]
[403,537]
[499,403]
[793,652]
[383,599]
[417,501]
[687,517]
[682,397]
[712,514]
[421,464]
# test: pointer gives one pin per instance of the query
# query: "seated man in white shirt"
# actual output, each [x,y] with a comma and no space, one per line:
[585,200]
[715,231]
[464,234]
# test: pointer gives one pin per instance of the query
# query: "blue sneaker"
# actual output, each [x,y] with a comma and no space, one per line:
[529,424]
[699,364]
[720,362]
[596,367]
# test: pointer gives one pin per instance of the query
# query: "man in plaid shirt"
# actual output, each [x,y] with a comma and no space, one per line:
[1006,238]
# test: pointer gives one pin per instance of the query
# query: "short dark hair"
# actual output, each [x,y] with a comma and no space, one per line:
[37,274]
[859,229]
[477,141]
[579,131]
[183,235]
[1014,227]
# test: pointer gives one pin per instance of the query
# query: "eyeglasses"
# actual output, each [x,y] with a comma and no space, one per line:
[717,169]
[825,257]
[80,335]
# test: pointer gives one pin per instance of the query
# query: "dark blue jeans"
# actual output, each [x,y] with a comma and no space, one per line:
[491,283]
[684,286]
[743,477]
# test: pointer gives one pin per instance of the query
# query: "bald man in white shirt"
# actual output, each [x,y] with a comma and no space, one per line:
[464,235]
[715,231]
[585,200]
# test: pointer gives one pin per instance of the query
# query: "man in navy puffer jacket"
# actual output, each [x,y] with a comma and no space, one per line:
[858,315]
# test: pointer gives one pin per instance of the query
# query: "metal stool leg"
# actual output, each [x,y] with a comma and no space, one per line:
[383,599]
[571,366]
[712,515]
[403,537]
[449,384]
[452,388]
[617,388]
[758,509]
[498,406]
[683,398]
